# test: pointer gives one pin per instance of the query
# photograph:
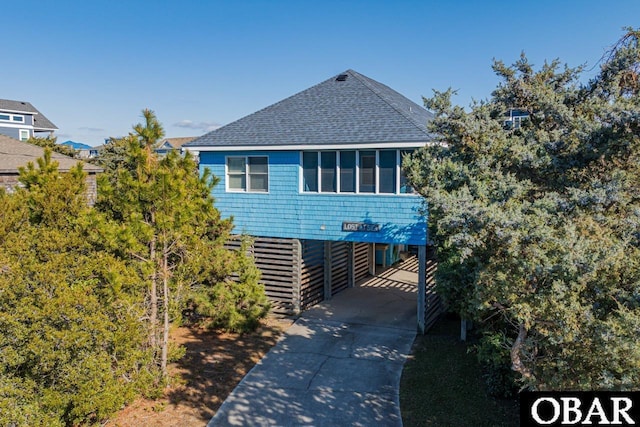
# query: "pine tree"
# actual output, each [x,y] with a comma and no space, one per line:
[170,230]
[50,142]
[70,334]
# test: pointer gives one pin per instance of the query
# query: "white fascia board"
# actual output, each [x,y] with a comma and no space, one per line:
[6,110]
[16,125]
[310,147]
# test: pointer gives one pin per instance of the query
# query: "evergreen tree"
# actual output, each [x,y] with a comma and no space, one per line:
[50,142]
[171,231]
[71,344]
[538,226]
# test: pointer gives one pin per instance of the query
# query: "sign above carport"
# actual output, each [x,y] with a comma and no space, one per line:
[360,227]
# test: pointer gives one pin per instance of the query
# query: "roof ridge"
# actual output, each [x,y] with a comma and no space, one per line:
[365,80]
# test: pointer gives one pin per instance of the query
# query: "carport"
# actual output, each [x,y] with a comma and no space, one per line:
[300,273]
[339,364]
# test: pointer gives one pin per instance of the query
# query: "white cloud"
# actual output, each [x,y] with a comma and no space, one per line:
[204,126]
[90,129]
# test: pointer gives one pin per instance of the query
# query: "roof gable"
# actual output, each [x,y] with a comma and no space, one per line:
[348,109]
[178,142]
[40,122]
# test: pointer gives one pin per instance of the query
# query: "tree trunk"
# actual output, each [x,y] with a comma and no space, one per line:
[516,354]
[153,316]
[165,290]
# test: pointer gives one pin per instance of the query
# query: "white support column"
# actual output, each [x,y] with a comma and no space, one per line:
[422,287]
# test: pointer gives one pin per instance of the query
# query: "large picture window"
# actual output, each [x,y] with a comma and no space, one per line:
[249,174]
[350,171]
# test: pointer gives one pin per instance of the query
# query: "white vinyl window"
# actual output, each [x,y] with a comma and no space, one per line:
[24,134]
[249,174]
[11,118]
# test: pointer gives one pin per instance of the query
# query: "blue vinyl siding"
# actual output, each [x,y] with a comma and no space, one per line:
[284,212]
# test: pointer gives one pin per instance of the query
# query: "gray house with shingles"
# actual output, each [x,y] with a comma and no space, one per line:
[15,154]
[21,120]
[316,178]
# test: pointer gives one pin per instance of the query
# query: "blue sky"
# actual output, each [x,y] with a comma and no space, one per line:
[91,66]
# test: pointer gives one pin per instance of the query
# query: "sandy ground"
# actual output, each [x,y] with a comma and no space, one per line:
[214,363]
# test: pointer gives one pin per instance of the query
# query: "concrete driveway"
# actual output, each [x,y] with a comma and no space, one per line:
[339,364]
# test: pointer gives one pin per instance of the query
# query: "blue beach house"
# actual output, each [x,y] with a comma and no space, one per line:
[316,179]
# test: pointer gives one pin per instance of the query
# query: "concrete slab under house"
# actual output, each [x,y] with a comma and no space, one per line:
[316,179]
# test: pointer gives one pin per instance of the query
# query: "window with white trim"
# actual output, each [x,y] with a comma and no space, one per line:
[367,172]
[350,171]
[11,118]
[405,188]
[387,170]
[310,171]
[24,134]
[328,172]
[248,173]
[347,171]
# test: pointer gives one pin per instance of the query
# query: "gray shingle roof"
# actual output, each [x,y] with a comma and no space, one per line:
[176,142]
[351,110]
[39,120]
[14,153]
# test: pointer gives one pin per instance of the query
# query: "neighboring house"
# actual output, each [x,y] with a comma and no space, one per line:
[15,154]
[95,151]
[21,120]
[169,144]
[84,151]
[514,119]
[317,180]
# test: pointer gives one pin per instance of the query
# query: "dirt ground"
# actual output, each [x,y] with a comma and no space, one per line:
[214,363]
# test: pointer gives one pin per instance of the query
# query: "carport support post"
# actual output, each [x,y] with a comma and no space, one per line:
[351,264]
[422,286]
[297,275]
[327,270]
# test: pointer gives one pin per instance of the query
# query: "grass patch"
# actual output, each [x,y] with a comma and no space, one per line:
[442,384]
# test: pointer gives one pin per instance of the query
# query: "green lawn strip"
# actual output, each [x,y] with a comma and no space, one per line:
[442,385]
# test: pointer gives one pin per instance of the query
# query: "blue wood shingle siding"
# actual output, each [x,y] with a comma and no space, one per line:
[285,212]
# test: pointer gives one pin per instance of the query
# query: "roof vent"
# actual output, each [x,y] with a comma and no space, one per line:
[342,77]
